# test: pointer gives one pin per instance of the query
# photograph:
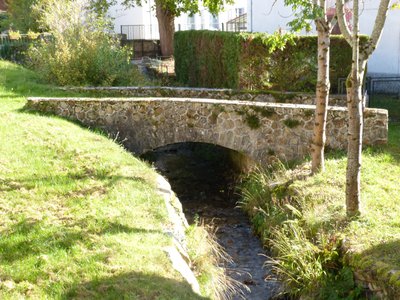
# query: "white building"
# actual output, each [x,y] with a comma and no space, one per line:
[141,23]
[232,18]
[270,15]
[138,22]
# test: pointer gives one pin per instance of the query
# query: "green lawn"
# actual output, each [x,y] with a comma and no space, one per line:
[80,217]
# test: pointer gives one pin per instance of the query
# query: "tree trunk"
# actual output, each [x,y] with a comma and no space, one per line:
[355,123]
[355,103]
[166,28]
[355,130]
[322,97]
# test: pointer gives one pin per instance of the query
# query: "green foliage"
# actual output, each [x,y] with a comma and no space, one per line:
[176,7]
[253,121]
[80,52]
[304,13]
[291,123]
[255,61]
[4,22]
[207,259]
[263,201]
[298,261]
[21,16]
[198,54]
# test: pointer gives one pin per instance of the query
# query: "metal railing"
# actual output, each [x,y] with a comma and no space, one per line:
[229,26]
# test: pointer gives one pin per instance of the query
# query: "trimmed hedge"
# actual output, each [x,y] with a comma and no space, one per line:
[218,59]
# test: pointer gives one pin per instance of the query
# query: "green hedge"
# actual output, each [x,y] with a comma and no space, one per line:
[243,61]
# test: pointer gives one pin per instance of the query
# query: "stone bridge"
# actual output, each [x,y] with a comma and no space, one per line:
[259,130]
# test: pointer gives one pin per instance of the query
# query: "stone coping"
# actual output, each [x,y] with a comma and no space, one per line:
[197,89]
[196,100]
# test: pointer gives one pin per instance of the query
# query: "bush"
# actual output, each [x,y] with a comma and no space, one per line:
[4,22]
[21,16]
[81,51]
[253,61]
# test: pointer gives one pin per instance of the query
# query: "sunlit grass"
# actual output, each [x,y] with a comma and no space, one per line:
[79,216]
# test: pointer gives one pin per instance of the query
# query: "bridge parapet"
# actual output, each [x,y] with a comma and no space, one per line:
[259,130]
[207,93]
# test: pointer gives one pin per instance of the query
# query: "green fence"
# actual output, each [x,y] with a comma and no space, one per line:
[14,49]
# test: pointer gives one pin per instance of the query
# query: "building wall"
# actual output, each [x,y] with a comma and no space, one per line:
[205,20]
[270,15]
[137,16]
[386,57]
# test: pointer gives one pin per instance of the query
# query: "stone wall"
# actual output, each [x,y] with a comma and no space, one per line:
[204,93]
[258,130]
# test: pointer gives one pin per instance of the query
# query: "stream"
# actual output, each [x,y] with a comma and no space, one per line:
[203,176]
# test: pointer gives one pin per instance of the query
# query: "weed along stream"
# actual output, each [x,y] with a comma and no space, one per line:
[203,176]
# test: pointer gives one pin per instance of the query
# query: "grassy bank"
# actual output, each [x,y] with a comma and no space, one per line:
[80,216]
[305,223]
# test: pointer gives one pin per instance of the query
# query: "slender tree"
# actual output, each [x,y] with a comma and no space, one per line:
[355,101]
[317,11]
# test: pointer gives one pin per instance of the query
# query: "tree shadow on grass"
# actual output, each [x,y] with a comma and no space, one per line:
[385,252]
[108,180]
[133,285]
[381,264]
[33,237]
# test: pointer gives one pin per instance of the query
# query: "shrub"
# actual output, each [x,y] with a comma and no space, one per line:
[21,16]
[4,22]
[255,61]
[80,52]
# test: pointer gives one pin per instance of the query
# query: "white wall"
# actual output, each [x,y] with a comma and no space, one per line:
[139,15]
[203,20]
[265,16]
[386,57]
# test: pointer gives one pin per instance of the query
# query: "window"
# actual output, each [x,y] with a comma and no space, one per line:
[191,22]
[214,22]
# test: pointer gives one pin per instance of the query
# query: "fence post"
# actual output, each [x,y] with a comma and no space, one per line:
[223,29]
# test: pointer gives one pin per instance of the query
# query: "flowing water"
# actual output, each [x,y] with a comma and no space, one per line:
[203,177]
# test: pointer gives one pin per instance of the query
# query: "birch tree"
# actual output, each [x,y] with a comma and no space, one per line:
[355,101]
[317,10]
